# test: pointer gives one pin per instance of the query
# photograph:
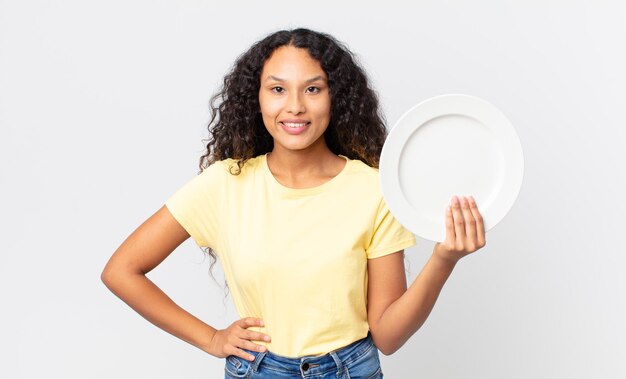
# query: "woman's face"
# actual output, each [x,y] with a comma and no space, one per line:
[294,99]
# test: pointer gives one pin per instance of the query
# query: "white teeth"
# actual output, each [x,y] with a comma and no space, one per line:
[294,125]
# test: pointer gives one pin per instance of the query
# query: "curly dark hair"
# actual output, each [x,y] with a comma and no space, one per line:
[356,129]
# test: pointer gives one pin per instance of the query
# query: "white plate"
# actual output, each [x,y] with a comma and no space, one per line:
[450,145]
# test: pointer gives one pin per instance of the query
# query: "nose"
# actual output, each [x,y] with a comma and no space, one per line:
[295,104]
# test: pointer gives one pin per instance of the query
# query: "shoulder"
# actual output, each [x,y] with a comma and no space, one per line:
[363,168]
[364,175]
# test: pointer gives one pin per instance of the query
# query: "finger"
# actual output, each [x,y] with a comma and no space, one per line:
[246,344]
[255,336]
[450,236]
[242,354]
[459,223]
[470,223]
[480,225]
[251,321]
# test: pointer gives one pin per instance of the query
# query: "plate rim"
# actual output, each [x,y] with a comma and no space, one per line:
[395,144]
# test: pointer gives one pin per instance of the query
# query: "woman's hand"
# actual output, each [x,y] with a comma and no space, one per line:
[465,231]
[231,340]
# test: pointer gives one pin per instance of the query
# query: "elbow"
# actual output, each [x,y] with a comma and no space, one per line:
[107,276]
[385,346]
[387,350]
[111,275]
[384,351]
[117,274]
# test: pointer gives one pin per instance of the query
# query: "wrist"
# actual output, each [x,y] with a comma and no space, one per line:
[444,256]
[208,343]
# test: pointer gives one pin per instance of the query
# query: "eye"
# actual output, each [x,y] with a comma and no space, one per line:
[278,89]
[313,89]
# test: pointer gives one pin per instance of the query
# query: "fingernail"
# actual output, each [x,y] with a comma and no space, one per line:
[262,323]
[267,338]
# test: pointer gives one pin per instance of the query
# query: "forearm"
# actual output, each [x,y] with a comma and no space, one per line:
[409,312]
[142,295]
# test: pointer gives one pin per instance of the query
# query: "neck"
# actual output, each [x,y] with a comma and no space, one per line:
[300,166]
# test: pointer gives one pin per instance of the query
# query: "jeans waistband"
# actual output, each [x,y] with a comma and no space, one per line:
[313,365]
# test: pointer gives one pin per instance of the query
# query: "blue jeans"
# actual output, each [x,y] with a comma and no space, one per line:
[356,360]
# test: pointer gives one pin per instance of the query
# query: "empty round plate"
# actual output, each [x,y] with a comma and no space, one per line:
[450,145]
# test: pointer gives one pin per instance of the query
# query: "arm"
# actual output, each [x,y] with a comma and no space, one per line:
[395,313]
[125,275]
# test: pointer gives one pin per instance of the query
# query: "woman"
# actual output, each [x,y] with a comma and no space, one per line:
[288,197]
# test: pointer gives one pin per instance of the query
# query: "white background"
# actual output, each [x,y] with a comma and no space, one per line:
[103,106]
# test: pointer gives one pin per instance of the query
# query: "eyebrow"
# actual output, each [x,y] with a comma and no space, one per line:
[319,77]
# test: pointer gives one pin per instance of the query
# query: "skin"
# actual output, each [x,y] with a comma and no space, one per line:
[293,86]
[394,312]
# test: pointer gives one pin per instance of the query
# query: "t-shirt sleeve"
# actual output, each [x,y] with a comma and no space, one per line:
[195,206]
[389,235]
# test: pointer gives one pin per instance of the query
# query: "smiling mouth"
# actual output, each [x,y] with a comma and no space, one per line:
[294,125]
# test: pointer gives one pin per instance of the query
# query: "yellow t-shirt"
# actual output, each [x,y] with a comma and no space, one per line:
[297,258]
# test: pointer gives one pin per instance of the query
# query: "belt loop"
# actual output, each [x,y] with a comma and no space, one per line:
[337,362]
[257,360]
